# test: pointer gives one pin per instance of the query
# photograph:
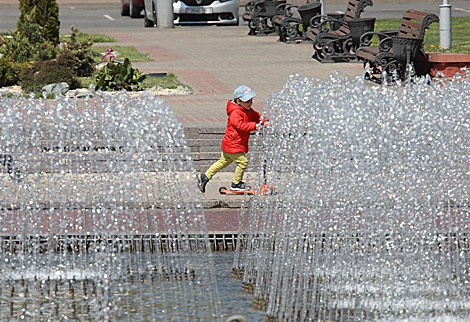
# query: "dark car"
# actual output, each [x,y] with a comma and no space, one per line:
[132,8]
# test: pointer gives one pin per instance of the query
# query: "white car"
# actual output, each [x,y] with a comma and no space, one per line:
[216,12]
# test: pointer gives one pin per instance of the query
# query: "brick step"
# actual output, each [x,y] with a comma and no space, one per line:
[55,156]
[192,133]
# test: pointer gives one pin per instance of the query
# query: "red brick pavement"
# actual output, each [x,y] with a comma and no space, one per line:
[80,222]
[160,54]
[222,220]
[204,81]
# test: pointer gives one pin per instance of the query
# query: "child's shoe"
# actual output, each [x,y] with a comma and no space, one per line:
[241,186]
[202,180]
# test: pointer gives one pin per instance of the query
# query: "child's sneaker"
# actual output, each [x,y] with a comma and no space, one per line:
[241,186]
[202,180]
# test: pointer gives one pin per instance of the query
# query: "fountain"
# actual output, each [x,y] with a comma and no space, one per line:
[369,220]
[101,216]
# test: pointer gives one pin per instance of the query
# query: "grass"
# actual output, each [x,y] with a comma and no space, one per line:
[95,38]
[169,81]
[460,35]
[26,95]
[125,52]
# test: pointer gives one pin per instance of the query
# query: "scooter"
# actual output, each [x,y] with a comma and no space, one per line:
[265,190]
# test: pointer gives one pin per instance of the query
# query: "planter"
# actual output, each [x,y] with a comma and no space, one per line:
[270,7]
[447,63]
[358,27]
[308,11]
[406,49]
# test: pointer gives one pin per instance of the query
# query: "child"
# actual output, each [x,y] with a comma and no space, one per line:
[241,121]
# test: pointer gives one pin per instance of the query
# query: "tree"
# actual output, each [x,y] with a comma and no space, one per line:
[29,44]
[81,50]
[46,14]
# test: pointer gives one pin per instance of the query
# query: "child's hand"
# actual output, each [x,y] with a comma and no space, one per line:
[260,126]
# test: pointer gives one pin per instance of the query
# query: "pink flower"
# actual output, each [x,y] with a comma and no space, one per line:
[109,54]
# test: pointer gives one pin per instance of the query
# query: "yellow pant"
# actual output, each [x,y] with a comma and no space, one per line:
[225,160]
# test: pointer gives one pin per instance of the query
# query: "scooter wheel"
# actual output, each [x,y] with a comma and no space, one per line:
[222,190]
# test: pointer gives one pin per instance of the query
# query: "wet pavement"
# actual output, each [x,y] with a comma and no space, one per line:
[214,61]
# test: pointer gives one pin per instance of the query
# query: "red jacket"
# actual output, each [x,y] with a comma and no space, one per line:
[239,125]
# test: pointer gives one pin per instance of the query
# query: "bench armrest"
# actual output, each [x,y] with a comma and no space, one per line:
[385,38]
[321,22]
[288,22]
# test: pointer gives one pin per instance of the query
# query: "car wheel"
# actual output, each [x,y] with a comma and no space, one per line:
[134,11]
[147,23]
[124,8]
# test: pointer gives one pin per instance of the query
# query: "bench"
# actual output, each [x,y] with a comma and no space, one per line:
[290,13]
[331,36]
[259,16]
[293,28]
[398,47]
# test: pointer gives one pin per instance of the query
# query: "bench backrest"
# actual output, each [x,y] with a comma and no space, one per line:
[415,23]
[355,9]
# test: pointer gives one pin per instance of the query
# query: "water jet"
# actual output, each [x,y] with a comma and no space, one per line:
[372,219]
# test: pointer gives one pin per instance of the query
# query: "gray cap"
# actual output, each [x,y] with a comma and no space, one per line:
[243,93]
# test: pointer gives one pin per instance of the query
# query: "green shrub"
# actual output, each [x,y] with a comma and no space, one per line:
[81,50]
[10,71]
[43,73]
[116,76]
[29,44]
[46,14]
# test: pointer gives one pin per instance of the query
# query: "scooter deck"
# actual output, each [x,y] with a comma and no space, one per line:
[225,191]
[265,190]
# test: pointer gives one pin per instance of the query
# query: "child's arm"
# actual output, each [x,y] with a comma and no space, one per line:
[260,118]
[239,124]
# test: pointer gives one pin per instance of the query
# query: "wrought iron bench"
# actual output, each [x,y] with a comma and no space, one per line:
[292,27]
[259,16]
[250,8]
[289,13]
[397,47]
[331,37]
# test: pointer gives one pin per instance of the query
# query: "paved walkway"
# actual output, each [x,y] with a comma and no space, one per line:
[214,61]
